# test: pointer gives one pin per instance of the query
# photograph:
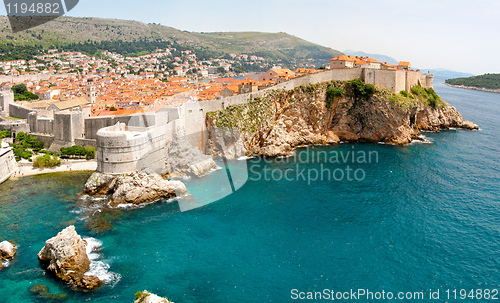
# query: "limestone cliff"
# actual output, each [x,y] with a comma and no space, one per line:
[331,112]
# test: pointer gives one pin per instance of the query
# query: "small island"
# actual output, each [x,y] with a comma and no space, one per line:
[486,82]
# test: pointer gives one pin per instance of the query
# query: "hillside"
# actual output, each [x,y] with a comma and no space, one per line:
[487,81]
[379,57]
[277,47]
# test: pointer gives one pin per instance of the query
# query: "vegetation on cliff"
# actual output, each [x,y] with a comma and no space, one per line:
[489,81]
[334,111]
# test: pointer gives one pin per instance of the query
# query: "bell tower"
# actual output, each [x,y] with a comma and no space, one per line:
[91,91]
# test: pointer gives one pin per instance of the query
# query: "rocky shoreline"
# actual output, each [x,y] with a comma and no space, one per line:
[283,120]
[474,88]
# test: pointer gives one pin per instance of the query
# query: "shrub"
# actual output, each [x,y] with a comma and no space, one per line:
[46,161]
[427,94]
[359,90]
[88,152]
[20,136]
[331,93]
[404,93]
[4,134]
[113,109]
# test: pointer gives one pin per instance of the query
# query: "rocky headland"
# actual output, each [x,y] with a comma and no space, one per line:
[328,113]
[134,188]
[65,256]
[484,89]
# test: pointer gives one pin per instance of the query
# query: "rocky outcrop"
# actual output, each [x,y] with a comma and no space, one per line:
[134,188]
[442,118]
[7,250]
[183,159]
[65,256]
[282,120]
[147,297]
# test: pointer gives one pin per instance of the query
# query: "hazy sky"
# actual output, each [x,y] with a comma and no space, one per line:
[457,35]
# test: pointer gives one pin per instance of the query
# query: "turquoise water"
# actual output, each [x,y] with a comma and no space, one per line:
[425,216]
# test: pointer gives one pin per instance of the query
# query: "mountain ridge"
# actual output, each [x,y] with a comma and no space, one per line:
[66,30]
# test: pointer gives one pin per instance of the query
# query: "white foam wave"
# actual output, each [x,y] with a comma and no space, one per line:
[99,268]
[243,158]
[422,139]
[5,263]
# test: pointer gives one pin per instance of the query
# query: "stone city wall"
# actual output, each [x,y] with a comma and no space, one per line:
[138,143]
[124,149]
[18,111]
[8,164]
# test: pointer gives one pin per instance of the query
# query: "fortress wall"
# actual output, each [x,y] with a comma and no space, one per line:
[68,126]
[138,142]
[94,124]
[429,81]
[45,126]
[8,165]
[46,139]
[395,81]
[192,120]
[120,150]
[32,119]
[6,98]
[32,77]
[414,78]
[17,111]
[86,142]
[15,127]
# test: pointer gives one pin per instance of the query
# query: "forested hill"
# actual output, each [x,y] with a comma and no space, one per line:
[132,37]
[488,81]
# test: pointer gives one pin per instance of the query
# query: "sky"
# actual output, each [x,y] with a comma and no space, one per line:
[452,34]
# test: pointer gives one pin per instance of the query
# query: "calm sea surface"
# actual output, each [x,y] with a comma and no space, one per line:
[395,219]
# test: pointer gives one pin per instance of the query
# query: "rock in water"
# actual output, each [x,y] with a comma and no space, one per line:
[469,125]
[147,297]
[140,188]
[67,258]
[42,292]
[7,250]
[134,188]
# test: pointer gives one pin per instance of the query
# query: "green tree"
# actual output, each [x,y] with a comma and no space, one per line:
[331,93]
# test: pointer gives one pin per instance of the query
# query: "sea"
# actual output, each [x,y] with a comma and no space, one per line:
[382,223]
